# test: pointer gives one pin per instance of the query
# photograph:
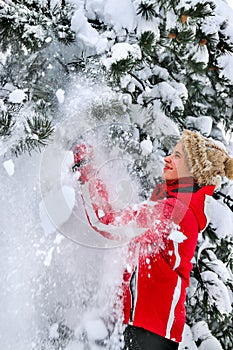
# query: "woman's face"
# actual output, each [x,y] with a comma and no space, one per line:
[176,164]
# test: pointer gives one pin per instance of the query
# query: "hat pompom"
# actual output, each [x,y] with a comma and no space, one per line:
[229,168]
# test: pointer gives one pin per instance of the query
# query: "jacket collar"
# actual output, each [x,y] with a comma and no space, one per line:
[171,187]
[187,191]
[184,185]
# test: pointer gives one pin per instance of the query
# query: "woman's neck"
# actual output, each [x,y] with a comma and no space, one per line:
[182,180]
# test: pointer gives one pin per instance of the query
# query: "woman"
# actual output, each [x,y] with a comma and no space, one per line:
[159,266]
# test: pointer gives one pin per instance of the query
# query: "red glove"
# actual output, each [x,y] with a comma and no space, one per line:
[83,156]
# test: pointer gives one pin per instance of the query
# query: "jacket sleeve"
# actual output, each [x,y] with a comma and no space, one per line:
[140,220]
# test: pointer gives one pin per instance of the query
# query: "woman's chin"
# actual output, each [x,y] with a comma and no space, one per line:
[168,177]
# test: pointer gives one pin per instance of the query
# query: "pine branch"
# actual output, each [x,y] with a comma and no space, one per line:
[181,37]
[6,124]
[147,10]
[224,46]
[200,10]
[121,67]
[39,128]
[138,80]
[226,199]
[210,40]
[61,24]
[147,44]
[21,23]
[38,132]
[109,109]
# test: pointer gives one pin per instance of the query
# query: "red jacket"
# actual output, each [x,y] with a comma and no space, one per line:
[159,266]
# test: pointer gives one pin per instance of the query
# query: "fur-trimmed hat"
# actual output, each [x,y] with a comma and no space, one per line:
[207,161]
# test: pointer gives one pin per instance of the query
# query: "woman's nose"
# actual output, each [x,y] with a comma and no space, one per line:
[168,159]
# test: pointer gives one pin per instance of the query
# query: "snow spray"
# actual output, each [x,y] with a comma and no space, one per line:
[61,281]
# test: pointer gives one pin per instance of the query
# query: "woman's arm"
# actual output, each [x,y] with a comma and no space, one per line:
[143,222]
[111,223]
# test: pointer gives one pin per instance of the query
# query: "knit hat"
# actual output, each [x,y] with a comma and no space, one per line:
[207,161]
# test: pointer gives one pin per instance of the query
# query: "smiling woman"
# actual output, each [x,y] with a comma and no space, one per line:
[176,164]
[159,258]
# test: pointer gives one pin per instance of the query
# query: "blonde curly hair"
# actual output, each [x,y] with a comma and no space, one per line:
[207,161]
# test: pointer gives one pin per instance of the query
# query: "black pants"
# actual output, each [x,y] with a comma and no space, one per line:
[140,339]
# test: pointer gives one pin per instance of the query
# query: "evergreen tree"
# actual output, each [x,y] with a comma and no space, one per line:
[175,69]
[170,64]
[166,60]
[32,35]
[182,55]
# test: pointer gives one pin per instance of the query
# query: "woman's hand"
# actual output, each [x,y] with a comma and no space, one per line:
[83,158]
